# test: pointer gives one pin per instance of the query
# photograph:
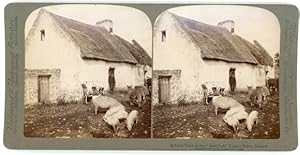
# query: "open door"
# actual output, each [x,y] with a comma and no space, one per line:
[232,80]
[111,79]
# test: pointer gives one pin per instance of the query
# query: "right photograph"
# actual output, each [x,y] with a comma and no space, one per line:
[216,73]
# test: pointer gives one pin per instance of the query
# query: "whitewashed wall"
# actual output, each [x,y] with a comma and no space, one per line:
[246,74]
[58,51]
[96,72]
[178,52]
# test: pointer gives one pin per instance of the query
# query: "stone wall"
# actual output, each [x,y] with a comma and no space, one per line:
[175,85]
[31,84]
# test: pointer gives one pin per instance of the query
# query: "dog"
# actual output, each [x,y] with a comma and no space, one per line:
[216,91]
[101,91]
[129,87]
[224,102]
[222,91]
[251,120]
[132,119]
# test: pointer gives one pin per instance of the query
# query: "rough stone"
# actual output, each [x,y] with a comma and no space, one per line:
[175,85]
[31,84]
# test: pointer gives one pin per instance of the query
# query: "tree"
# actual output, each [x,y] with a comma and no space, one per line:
[276,65]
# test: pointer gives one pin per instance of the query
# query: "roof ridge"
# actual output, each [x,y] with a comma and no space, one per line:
[180,23]
[102,44]
[215,42]
[59,24]
[53,14]
[178,16]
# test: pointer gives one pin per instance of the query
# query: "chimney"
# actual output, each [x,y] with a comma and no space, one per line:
[228,24]
[107,24]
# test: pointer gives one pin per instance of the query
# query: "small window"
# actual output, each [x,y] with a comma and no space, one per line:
[232,30]
[110,30]
[42,35]
[163,36]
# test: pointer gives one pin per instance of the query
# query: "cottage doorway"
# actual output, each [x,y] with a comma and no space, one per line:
[232,80]
[164,89]
[43,88]
[111,79]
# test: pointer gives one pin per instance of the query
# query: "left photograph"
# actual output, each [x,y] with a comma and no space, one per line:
[88,72]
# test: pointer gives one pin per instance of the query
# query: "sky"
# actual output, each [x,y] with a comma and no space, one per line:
[129,23]
[251,23]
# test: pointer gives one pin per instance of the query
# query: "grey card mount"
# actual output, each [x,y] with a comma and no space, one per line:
[151,76]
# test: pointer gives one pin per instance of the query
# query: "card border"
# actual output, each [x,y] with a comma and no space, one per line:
[15,17]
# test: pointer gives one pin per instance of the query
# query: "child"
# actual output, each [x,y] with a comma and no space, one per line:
[205,93]
[84,93]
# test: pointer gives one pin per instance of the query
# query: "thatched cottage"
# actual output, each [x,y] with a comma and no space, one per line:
[61,54]
[190,53]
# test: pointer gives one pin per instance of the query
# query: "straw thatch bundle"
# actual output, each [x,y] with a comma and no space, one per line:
[217,43]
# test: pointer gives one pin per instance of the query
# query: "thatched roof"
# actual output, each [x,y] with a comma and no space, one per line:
[217,43]
[260,54]
[95,42]
[264,57]
[140,55]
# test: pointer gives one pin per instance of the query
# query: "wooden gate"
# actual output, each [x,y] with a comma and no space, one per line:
[164,89]
[43,88]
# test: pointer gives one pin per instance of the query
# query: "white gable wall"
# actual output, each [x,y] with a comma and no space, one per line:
[58,51]
[177,52]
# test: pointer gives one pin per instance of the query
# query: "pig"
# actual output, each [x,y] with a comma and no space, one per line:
[233,122]
[238,113]
[131,119]
[113,116]
[233,116]
[104,102]
[224,102]
[252,120]
[136,96]
[112,121]
[118,111]
[258,95]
